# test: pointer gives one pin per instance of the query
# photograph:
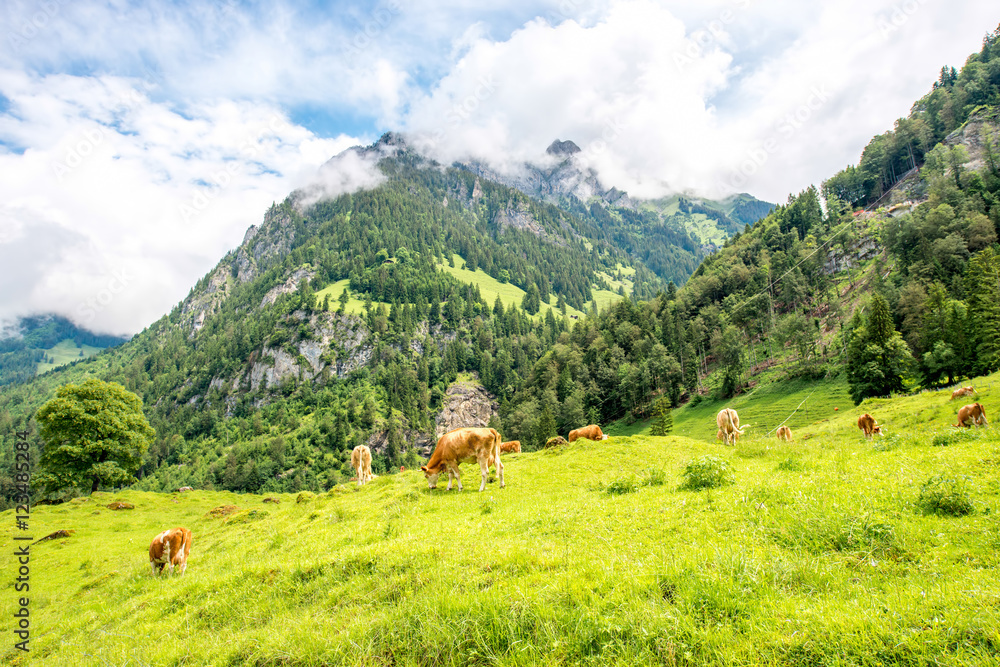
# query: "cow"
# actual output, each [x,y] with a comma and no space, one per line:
[361,460]
[784,433]
[184,488]
[963,391]
[464,445]
[510,447]
[170,548]
[729,426]
[868,425]
[590,432]
[973,411]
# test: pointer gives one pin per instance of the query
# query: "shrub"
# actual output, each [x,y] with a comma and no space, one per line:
[706,472]
[791,464]
[945,496]
[952,437]
[653,477]
[622,485]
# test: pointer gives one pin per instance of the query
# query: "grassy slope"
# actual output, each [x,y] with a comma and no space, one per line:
[65,352]
[489,287]
[815,555]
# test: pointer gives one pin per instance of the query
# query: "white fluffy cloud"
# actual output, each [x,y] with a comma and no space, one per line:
[139,140]
[707,106]
[118,204]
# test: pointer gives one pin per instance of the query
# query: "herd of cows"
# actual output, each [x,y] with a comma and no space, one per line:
[170,548]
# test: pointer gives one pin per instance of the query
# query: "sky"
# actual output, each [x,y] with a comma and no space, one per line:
[139,140]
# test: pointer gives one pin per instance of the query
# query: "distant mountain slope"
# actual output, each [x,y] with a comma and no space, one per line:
[562,179]
[41,343]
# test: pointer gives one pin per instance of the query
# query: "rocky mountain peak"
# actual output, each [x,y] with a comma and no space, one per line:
[562,148]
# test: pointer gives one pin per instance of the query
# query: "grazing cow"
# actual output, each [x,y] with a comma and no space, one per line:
[973,411]
[170,548]
[963,391]
[784,433]
[591,432]
[361,460]
[510,447]
[729,426]
[464,445]
[868,425]
[184,488]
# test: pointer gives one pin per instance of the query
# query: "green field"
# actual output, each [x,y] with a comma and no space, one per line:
[334,290]
[823,551]
[65,352]
[509,293]
[489,287]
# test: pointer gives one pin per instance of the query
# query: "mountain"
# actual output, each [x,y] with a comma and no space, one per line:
[365,317]
[33,345]
[562,178]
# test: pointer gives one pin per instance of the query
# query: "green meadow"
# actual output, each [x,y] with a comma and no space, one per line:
[65,352]
[490,288]
[829,550]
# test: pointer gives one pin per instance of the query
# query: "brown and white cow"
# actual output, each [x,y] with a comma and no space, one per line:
[962,391]
[973,412]
[464,445]
[510,447]
[729,426]
[170,548]
[361,461]
[590,432]
[784,433]
[868,425]
[184,488]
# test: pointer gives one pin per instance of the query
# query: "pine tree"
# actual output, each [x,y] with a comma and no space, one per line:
[664,418]
[546,426]
[982,284]
[877,357]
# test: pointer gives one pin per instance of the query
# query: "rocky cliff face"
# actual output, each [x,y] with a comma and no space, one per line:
[560,175]
[983,126]
[466,403]
[339,345]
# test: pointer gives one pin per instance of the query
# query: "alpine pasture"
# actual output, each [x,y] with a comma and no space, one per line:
[828,550]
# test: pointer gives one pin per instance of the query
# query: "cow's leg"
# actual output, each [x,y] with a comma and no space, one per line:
[453,471]
[500,471]
[152,564]
[484,468]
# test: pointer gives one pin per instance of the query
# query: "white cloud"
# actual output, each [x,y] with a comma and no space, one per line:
[349,171]
[758,97]
[127,184]
[119,204]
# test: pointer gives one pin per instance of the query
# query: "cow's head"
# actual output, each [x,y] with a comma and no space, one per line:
[432,475]
[877,429]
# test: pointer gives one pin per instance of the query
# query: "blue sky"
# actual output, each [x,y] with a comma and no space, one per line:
[139,140]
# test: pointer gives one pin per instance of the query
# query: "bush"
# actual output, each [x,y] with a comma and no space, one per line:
[952,437]
[945,496]
[630,483]
[791,464]
[622,485]
[706,472]
[653,477]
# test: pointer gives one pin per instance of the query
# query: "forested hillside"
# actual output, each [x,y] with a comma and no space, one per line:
[31,341]
[336,322]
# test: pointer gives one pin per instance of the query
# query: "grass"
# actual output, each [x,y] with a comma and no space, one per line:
[511,294]
[489,287]
[65,352]
[821,551]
